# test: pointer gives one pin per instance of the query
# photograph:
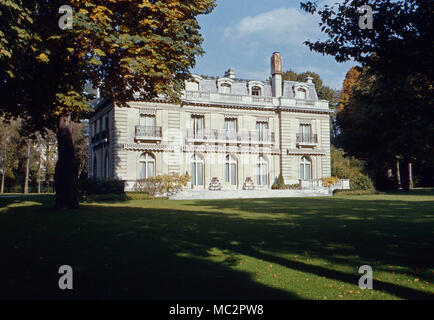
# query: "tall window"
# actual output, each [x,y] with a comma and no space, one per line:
[300,93]
[225,88]
[147,120]
[305,169]
[197,126]
[231,128]
[231,170]
[95,167]
[261,171]
[106,165]
[262,130]
[197,165]
[146,166]
[106,122]
[305,132]
[256,91]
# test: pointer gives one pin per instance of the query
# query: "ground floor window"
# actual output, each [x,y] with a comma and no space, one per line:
[146,166]
[305,169]
[231,170]
[106,165]
[261,171]
[197,166]
[95,167]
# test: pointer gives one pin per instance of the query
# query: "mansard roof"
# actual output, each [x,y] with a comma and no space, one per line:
[240,86]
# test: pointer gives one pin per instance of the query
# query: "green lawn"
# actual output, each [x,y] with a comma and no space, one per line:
[299,248]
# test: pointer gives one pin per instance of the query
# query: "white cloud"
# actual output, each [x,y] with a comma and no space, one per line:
[283,25]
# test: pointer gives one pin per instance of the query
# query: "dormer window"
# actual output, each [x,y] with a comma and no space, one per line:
[300,93]
[192,86]
[256,91]
[225,88]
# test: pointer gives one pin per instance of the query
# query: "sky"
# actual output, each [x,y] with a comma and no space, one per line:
[243,34]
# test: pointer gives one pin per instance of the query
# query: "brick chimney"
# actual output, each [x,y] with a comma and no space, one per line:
[230,73]
[276,74]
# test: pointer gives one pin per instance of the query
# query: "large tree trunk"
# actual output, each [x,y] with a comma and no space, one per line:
[26,179]
[2,190]
[65,180]
[410,176]
[398,174]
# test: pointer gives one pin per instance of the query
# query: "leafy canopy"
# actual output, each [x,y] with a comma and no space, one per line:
[123,47]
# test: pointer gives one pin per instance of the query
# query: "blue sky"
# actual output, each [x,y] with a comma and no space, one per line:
[243,34]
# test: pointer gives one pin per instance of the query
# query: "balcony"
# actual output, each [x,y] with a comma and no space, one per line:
[230,136]
[307,140]
[148,133]
[251,100]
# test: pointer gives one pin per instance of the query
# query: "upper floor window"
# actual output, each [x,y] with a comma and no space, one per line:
[231,124]
[147,120]
[225,88]
[305,131]
[197,124]
[262,130]
[106,122]
[300,93]
[256,91]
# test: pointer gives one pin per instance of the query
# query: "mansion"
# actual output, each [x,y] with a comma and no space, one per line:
[225,129]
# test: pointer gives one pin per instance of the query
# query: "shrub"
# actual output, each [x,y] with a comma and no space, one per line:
[346,167]
[162,184]
[329,181]
[140,196]
[101,186]
[355,192]
[280,184]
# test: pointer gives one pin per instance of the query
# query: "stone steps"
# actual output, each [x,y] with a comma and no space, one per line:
[247,194]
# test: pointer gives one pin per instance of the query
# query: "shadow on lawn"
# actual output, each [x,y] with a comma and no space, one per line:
[130,252]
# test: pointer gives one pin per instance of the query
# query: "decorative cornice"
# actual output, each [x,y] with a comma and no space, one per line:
[200,148]
[305,152]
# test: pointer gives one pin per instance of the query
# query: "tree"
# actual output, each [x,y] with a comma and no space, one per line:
[81,146]
[122,47]
[388,115]
[8,144]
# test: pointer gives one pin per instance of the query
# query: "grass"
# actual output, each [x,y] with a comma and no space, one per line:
[299,248]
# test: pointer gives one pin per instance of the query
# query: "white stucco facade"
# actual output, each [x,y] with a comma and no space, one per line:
[225,127]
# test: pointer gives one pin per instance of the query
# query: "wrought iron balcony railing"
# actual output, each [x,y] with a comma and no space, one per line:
[148,132]
[230,136]
[307,139]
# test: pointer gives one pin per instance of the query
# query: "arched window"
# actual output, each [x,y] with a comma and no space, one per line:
[225,88]
[231,170]
[95,167]
[146,166]
[300,93]
[197,165]
[256,91]
[261,171]
[106,165]
[305,169]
